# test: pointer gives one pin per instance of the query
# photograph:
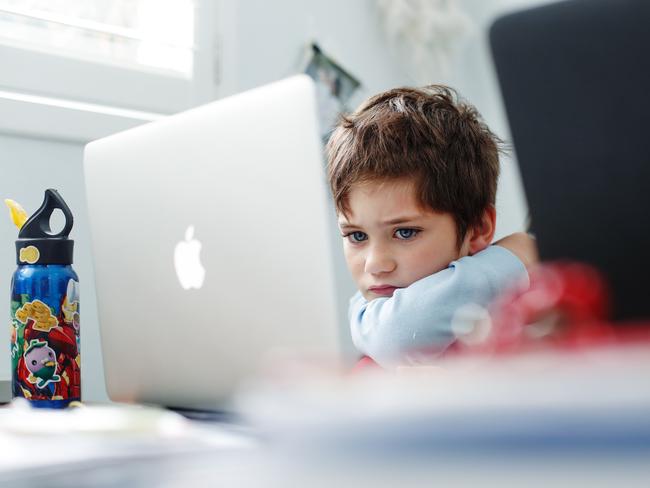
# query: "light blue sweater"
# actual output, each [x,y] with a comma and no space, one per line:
[419,316]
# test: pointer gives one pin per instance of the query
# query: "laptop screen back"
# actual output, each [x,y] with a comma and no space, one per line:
[575,78]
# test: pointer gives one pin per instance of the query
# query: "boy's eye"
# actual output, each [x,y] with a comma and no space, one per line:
[356,236]
[406,233]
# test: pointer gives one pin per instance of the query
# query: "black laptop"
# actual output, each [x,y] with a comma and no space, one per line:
[575,77]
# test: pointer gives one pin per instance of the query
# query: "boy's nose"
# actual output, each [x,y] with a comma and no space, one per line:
[379,261]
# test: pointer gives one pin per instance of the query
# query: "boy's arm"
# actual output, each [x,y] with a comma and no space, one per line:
[418,317]
[521,245]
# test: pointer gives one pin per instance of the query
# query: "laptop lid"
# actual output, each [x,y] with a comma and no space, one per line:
[210,246]
[575,78]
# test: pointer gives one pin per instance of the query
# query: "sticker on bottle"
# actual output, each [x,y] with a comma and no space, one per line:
[40,313]
[29,255]
[40,360]
[45,347]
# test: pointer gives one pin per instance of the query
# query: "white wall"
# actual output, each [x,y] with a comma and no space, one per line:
[270,40]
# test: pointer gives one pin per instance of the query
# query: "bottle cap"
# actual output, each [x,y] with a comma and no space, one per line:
[37,244]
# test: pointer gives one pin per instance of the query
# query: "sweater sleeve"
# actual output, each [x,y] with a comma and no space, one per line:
[419,316]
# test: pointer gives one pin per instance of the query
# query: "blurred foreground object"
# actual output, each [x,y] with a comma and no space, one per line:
[111,446]
[566,306]
[544,419]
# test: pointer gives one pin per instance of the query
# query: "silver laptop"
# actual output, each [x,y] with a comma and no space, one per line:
[211,248]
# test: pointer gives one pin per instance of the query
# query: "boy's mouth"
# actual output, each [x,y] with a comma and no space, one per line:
[383,290]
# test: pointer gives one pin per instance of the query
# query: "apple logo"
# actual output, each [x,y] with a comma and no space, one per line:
[187,261]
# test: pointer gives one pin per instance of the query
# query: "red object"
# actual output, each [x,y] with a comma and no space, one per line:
[364,364]
[566,306]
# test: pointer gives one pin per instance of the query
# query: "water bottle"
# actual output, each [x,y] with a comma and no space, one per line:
[45,348]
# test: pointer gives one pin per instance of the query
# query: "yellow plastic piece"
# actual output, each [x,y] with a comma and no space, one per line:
[18,214]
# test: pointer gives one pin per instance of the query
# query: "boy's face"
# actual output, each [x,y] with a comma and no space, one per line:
[390,241]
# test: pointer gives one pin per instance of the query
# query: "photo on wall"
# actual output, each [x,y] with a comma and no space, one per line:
[334,87]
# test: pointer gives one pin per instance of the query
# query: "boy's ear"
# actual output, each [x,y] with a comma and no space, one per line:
[480,236]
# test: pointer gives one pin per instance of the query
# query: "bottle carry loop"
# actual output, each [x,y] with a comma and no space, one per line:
[37,244]
[38,225]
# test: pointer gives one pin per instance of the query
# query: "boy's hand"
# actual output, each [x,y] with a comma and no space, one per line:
[521,245]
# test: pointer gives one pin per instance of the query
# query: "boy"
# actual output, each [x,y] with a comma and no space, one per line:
[413,174]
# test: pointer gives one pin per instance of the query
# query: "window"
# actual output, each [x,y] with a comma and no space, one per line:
[130,54]
[139,34]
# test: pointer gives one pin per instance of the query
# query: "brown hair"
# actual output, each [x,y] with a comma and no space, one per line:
[426,135]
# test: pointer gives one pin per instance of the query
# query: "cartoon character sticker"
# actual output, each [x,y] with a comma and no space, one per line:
[40,360]
[40,313]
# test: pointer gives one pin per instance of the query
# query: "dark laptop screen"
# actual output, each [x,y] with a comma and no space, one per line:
[575,77]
